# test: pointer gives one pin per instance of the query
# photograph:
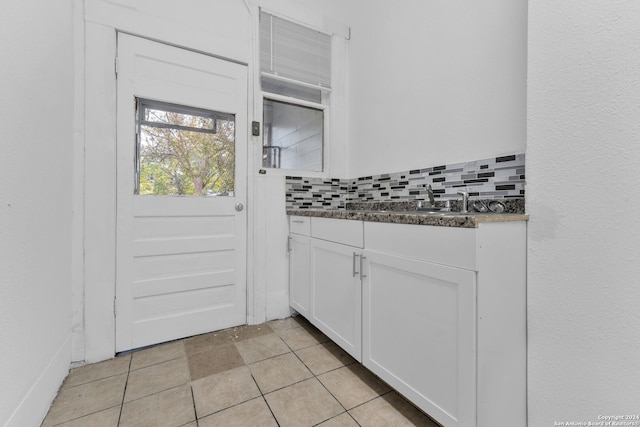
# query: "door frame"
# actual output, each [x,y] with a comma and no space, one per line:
[95,337]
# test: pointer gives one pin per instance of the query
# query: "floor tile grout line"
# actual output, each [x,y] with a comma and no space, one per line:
[332,369]
[328,391]
[390,391]
[235,404]
[156,364]
[336,416]
[270,410]
[66,386]
[229,407]
[289,385]
[283,387]
[322,384]
[193,400]
[353,362]
[260,390]
[266,358]
[263,395]
[286,343]
[158,392]
[59,423]
[244,401]
[124,392]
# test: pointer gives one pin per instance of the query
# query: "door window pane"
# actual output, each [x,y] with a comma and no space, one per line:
[184,151]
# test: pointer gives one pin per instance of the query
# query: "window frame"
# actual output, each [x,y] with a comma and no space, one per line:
[325,128]
[324,104]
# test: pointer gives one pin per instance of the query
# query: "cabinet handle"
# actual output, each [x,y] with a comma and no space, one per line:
[355,255]
[362,258]
[288,243]
[297,221]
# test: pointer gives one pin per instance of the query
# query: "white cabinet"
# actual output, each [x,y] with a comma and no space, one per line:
[419,333]
[299,283]
[298,247]
[437,312]
[325,284]
[444,319]
[336,299]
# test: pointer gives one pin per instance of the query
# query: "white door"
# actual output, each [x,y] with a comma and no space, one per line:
[181,191]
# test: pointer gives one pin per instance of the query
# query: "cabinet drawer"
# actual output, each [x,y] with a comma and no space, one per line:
[300,225]
[343,231]
[451,246]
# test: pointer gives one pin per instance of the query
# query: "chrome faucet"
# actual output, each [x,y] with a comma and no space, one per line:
[465,201]
[422,204]
[432,200]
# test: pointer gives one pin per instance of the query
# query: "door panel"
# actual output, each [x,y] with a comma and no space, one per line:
[181,260]
[336,298]
[299,285]
[428,311]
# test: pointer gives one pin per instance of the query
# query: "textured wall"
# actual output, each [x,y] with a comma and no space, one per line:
[36,140]
[583,156]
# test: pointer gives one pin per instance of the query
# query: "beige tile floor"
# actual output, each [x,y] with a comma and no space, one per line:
[281,373]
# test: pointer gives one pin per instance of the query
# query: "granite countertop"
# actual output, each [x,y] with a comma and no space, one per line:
[400,214]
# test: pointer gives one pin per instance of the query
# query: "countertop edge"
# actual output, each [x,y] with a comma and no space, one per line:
[461,221]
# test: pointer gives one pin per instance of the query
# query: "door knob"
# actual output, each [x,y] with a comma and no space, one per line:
[239,207]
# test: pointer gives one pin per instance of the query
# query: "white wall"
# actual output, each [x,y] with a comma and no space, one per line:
[583,158]
[37,143]
[435,82]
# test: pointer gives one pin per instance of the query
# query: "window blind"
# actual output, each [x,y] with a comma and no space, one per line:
[292,51]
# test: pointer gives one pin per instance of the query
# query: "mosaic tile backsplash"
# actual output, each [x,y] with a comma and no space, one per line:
[494,178]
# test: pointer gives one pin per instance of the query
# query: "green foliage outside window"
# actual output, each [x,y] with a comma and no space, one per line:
[186,162]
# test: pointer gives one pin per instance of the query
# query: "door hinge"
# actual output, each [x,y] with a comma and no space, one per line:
[115,308]
[115,66]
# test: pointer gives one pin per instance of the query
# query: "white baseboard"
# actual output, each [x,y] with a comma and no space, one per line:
[35,404]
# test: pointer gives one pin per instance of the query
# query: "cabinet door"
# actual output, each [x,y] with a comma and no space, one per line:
[336,294]
[419,334]
[299,284]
